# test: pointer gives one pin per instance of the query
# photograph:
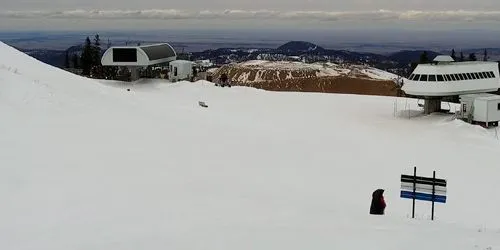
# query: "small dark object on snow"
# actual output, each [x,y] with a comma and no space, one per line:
[128,89]
[378,203]
[203,104]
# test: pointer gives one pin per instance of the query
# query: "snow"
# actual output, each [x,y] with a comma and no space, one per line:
[88,165]
[212,70]
[322,69]
[379,74]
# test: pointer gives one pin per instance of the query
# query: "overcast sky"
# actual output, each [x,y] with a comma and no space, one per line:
[328,5]
[68,14]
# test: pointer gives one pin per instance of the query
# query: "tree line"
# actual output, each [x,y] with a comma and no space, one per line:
[89,61]
[424,58]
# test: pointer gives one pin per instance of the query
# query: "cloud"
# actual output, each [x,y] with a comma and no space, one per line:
[327,16]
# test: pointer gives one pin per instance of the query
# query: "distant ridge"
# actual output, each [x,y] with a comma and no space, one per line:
[300,47]
[407,56]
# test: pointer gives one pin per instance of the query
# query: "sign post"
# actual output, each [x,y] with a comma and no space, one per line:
[423,188]
[414,189]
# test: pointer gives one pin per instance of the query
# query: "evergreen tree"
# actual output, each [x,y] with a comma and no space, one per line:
[96,60]
[472,57]
[485,55]
[76,65]
[97,40]
[424,58]
[66,59]
[462,57]
[87,57]
[453,55]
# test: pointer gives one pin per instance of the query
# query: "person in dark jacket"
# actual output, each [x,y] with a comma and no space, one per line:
[378,202]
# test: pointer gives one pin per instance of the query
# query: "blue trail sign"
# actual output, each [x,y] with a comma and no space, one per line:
[423,188]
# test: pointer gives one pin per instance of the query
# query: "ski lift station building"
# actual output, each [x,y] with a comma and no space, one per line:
[136,57]
[469,83]
[446,78]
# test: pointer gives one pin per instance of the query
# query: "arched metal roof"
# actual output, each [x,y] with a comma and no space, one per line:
[158,51]
[139,55]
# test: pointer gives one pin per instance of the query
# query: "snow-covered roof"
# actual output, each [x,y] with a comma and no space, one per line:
[443,58]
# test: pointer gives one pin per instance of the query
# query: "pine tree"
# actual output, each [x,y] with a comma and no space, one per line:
[87,57]
[424,58]
[472,57]
[66,59]
[485,55]
[453,54]
[462,57]
[76,65]
[96,60]
[97,40]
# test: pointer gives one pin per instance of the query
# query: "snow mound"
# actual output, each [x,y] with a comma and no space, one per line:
[102,168]
[20,63]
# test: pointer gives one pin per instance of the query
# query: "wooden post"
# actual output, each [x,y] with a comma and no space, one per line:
[414,191]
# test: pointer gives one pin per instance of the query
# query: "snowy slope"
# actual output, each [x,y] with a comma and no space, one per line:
[100,168]
[262,70]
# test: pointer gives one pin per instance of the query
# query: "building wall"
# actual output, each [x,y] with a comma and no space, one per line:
[184,71]
[480,110]
[486,110]
[493,111]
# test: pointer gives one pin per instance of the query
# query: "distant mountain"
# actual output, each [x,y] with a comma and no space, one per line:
[398,62]
[300,47]
[52,57]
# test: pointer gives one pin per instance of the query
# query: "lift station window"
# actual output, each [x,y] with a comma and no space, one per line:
[124,55]
[440,78]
